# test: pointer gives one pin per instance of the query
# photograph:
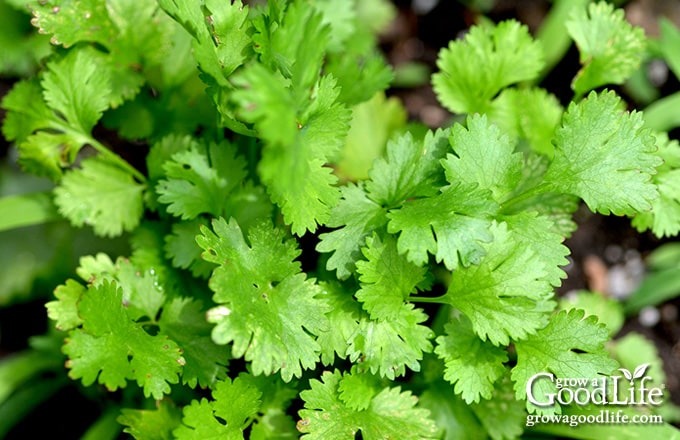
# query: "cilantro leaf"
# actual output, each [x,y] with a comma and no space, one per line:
[411,169]
[530,114]
[388,347]
[268,308]
[664,217]
[199,182]
[102,195]
[387,278]
[343,318]
[356,217]
[472,365]
[506,295]
[298,145]
[111,348]
[490,58]
[149,424]
[233,406]
[183,320]
[571,345]
[611,49]
[373,123]
[451,225]
[484,156]
[53,121]
[537,232]
[64,310]
[390,414]
[604,156]
[502,417]
[181,247]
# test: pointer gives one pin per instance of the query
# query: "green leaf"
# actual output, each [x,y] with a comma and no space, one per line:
[26,210]
[181,247]
[343,318]
[571,345]
[604,156]
[233,406]
[411,169]
[611,49]
[452,415]
[528,114]
[102,195]
[183,320]
[388,347]
[503,417]
[77,89]
[490,58]
[373,123]
[452,226]
[609,311]
[664,217]
[387,278]
[298,145]
[483,155]
[472,365]
[267,307]
[537,232]
[356,390]
[64,310]
[151,424]
[390,414]
[53,121]
[111,348]
[506,295]
[356,217]
[200,182]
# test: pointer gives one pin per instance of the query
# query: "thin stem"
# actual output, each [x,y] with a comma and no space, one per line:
[113,157]
[536,190]
[428,299]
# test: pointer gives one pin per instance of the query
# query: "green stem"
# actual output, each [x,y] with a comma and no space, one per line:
[536,190]
[113,157]
[428,299]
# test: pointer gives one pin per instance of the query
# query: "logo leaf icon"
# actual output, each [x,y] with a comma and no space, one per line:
[626,373]
[639,371]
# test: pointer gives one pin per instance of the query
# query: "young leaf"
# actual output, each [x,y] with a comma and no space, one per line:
[233,406]
[472,365]
[299,137]
[102,195]
[387,278]
[53,121]
[111,348]
[490,58]
[664,217]
[267,307]
[183,320]
[356,217]
[452,226]
[604,156]
[200,182]
[484,156]
[388,347]
[64,310]
[571,345]
[390,414]
[506,295]
[150,424]
[411,168]
[610,48]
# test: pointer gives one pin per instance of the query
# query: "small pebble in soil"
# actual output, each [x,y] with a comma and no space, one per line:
[649,316]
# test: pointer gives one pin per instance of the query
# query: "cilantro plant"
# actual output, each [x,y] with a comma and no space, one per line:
[300,261]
